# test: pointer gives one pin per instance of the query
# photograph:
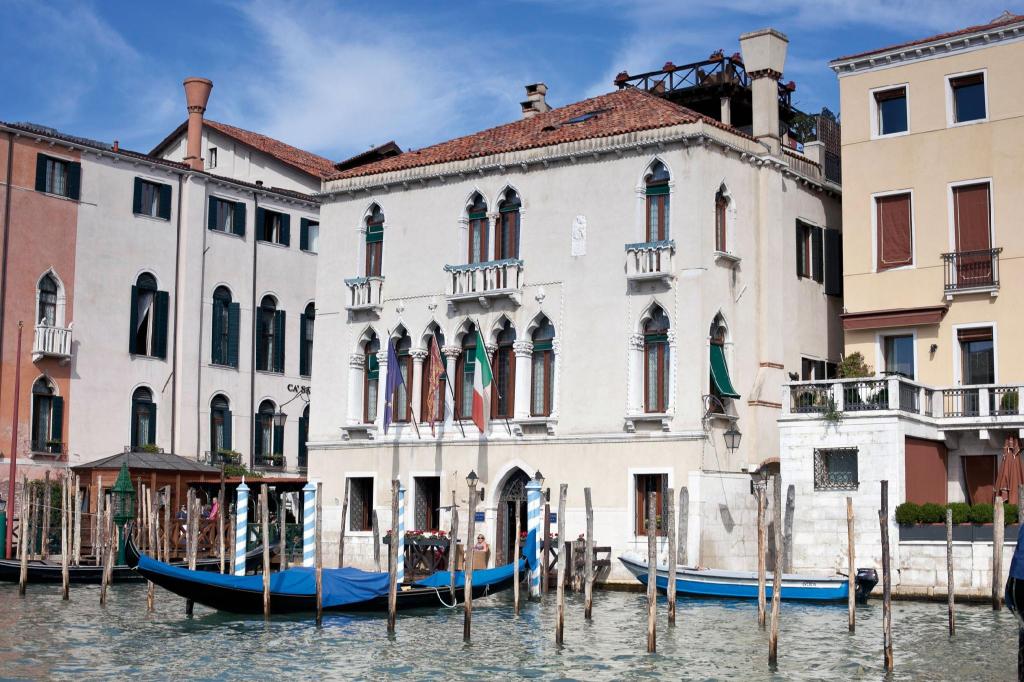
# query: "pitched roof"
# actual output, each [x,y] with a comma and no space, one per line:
[156,461]
[623,111]
[383,151]
[37,129]
[307,162]
[1004,19]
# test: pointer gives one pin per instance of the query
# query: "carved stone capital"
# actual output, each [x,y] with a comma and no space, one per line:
[522,348]
[418,354]
[357,361]
[382,357]
[451,351]
[636,341]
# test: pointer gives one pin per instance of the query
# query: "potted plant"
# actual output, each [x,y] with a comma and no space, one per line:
[1008,403]
[228,456]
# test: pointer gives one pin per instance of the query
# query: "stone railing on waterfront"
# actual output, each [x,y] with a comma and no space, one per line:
[487,280]
[365,293]
[53,342]
[650,260]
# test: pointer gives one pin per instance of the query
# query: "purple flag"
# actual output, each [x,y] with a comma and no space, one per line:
[391,383]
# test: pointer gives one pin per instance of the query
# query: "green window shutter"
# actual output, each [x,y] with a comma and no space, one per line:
[137,197]
[257,428]
[303,348]
[226,415]
[279,328]
[656,190]
[304,234]
[211,214]
[720,373]
[238,223]
[303,437]
[134,315]
[278,440]
[165,202]
[372,366]
[215,333]
[817,253]
[161,300]
[833,262]
[261,217]
[74,180]
[374,234]
[233,327]
[799,251]
[286,232]
[152,424]
[41,172]
[57,419]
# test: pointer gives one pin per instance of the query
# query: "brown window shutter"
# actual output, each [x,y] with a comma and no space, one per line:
[973,79]
[971,217]
[975,334]
[895,243]
[894,93]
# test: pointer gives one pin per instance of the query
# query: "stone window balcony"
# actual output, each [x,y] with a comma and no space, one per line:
[51,342]
[484,282]
[365,294]
[647,261]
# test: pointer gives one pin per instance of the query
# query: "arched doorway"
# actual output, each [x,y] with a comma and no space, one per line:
[512,501]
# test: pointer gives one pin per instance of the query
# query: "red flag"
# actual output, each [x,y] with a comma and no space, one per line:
[435,369]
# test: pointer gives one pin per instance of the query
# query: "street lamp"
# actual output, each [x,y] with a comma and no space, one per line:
[539,478]
[280,418]
[732,438]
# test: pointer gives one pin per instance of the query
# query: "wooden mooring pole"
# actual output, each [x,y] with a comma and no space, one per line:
[392,559]
[344,526]
[652,572]
[761,487]
[192,519]
[282,547]
[65,546]
[467,593]
[883,519]
[23,531]
[950,584]
[98,528]
[376,541]
[453,546]
[780,551]
[76,552]
[998,528]
[167,527]
[563,558]
[588,559]
[265,529]
[684,524]
[318,547]
[670,531]
[851,562]
[545,578]
[47,511]
[154,546]
[516,575]
[105,551]
[221,512]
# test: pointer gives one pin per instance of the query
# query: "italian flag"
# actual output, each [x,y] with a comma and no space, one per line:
[481,385]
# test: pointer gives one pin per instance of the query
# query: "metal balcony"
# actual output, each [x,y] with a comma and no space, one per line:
[967,271]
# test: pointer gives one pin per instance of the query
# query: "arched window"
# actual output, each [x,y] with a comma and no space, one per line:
[303,437]
[270,336]
[306,340]
[47,313]
[432,402]
[721,221]
[657,202]
[464,369]
[224,329]
[477,211]
[220,428]
[656,362]
[47,418]
[371,379]
[542,369]
[506,230]
[403,405]
[143,419]
[374,241]
[148,318]
[503,388]
[269,437]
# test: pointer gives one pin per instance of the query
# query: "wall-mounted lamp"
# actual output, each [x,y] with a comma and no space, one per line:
[934,347]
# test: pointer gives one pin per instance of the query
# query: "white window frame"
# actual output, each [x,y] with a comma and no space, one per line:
[873,108]
[958,364]
[880,349]
[874,230]
[951,121]
[211,158]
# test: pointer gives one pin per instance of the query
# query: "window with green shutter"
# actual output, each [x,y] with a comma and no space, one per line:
[270,331]
[143,418]
[306,340]
[148,317]
[309,235]
[220,326]
[273,227]
[151,199]
[223,216]
[58,176]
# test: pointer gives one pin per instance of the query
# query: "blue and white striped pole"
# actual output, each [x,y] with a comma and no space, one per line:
[533,526]
[400,568]
[241,526]
[308,525]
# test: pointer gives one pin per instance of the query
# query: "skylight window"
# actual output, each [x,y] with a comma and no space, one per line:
[585,117]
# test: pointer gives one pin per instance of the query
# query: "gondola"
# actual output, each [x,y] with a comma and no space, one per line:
[344,589]
[50,571]
[708,582]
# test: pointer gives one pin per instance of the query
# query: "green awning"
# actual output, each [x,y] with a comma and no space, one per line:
[720,373]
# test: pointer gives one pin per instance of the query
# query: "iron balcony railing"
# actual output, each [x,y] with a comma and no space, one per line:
[971,269]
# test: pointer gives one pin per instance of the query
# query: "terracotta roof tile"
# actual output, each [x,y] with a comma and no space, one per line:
[293,156]
[623,111]
[1005,19]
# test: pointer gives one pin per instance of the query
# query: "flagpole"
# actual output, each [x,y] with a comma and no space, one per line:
[491,368]
[451,388]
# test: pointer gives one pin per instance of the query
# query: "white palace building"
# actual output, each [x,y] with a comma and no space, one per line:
[646,267]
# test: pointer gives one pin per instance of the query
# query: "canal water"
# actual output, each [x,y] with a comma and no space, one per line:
[43,637]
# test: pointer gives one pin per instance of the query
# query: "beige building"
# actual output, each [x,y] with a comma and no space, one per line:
[933,181]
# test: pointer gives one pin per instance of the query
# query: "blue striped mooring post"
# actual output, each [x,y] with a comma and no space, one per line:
[241,525]
[533,526]
[309,525]
[400,568]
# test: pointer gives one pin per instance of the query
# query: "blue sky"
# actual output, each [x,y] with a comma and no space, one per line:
[338,77]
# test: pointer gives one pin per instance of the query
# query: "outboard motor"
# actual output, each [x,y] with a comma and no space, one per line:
[866,580]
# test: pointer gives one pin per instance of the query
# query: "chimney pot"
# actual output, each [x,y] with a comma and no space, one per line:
[197,94]
[764,56]
[535,101]
[117,146]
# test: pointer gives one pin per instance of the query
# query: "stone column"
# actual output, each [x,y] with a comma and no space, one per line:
[356,368]
[418,355]
[635,399]
[524,386]
[451,354]
[556,350]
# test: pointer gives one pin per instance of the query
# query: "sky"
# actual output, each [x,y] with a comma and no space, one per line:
[336,78]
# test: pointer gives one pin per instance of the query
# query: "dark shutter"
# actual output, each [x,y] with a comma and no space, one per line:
[233,327]
[74,180]
[134,316]
[40,172]
[278,440]
[161,306]
[817,271]
[303,347]
[257,451]
[151,407]
[165,202]
[216,356]
[799,250]
[226,416]
[304,234]
[261,217]
[303,437]
[286,232]
[211,214]
[137,197]
[833,262]
[279,341]
[57,419]
[238,223]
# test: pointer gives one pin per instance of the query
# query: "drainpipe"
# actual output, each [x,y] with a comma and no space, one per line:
[3,262]
[199,364]
[174,352]
[252,363]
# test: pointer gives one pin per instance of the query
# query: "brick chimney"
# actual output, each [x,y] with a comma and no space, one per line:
[535,102]
[197,94]
[764,56]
